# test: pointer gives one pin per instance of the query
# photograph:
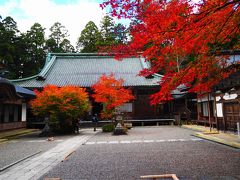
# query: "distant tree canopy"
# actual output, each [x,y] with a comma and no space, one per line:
[93,39]
[23,54]
[89,38]
[58,41]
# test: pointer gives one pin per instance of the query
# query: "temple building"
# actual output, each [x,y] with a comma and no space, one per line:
[13,105]
[84,70]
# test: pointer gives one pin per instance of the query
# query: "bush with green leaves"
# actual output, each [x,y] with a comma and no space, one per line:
[108,128]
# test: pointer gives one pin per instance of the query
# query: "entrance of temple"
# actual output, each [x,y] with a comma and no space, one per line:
[231,115]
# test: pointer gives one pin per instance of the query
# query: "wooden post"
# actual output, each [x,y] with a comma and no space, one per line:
[202,110]
[186,108]
[224,122]
[238,100]
[155,111]
[169,109]
[215,112]
[163,176]
[209,115]
[198,118]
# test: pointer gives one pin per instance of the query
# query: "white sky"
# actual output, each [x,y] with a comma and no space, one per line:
[73,14]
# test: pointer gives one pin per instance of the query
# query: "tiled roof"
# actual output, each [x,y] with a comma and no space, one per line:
[25,92]
[84,70]
[7,90]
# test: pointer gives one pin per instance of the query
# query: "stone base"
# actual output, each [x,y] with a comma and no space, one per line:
[12,125]
[119,130]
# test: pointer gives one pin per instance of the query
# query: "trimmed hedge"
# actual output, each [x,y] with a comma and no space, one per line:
[108,128]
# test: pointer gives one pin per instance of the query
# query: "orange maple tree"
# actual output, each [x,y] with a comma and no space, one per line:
[182,39]
[66,103]
[111,93]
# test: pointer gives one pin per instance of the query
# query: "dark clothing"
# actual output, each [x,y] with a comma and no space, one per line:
[76,126]
[95,121]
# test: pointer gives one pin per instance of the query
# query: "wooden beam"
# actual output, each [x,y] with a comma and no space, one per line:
[215,112]
[209,113]
[223,111]
[173,176]
[198,112]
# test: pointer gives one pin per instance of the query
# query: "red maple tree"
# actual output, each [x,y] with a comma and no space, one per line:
[63,105]
[111,93]
[182,39]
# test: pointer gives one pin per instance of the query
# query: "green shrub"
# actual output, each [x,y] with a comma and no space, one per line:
[108,128]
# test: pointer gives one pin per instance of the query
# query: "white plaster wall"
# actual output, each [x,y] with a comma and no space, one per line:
[219,110]
[229,96]
[127,107]
[24,112]
[218,98]
[219,105]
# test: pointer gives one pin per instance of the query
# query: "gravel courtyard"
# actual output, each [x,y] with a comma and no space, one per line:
[149,150]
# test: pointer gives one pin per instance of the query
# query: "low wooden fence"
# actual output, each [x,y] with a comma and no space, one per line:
[141,122]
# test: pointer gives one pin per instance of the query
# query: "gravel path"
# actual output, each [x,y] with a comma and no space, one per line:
[147,133]
[126,161]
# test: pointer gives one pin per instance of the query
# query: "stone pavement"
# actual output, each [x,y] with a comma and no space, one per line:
[225,138]
[36,166]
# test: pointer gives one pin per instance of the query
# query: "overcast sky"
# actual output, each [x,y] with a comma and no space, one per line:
[73,14]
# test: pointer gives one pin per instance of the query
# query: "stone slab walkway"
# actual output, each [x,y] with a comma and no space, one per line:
[6,135]
[36,166]
[225,138]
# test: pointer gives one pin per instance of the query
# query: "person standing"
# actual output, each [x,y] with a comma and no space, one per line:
[95,121]
[76,125]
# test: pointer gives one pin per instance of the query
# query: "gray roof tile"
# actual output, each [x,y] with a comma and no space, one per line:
[85,71]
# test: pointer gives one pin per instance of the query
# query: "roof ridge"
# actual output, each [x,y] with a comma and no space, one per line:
[146,65]
[23,79]
[46,68]
[83,54]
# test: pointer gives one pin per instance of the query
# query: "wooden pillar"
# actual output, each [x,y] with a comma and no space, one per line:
[215,112]
[198,118]
[238,100]
[134,103]
[186,108]
[168,104]
[201,106]
[155,111]
[209,114]
[224,122]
